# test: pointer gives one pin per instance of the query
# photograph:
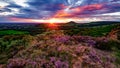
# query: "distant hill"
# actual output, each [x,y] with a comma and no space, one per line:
[71,22]
[105,22]
[98,23]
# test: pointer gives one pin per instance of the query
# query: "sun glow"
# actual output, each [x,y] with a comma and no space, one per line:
[56,20]
[52,20]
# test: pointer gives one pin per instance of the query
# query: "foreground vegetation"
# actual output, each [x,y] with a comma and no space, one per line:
[96,47]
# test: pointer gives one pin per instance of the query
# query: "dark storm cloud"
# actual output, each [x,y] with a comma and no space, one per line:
[40,8]
[12,5]
[5,9]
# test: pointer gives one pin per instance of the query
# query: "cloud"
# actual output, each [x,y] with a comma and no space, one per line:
[22,3]
[89,10]
[3,4]
[112,14]
[45,9]
[77,11]
[12,5]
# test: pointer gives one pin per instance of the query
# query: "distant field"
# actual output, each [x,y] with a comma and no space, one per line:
[95,31]
[12,32]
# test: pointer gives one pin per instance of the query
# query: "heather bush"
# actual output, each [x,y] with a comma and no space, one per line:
[12,41]
[55,50]
[90,41]
[117,55]
[11,45]
[118,35]
[108,45]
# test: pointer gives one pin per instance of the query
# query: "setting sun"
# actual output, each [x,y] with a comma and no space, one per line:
[51,21]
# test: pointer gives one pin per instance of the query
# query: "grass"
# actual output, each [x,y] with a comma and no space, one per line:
[12,32]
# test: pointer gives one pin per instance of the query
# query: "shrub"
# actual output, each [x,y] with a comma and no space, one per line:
[108,45]
[11,45]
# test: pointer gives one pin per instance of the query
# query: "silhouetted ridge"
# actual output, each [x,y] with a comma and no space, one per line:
[71,22]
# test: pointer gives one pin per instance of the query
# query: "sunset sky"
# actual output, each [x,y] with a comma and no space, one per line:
[60,11]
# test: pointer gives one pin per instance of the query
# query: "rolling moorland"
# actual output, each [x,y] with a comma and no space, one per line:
[62,45]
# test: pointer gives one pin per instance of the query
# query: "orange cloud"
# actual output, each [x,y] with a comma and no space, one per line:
[62,13]
[20,19]
[74,11]
[93,7]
